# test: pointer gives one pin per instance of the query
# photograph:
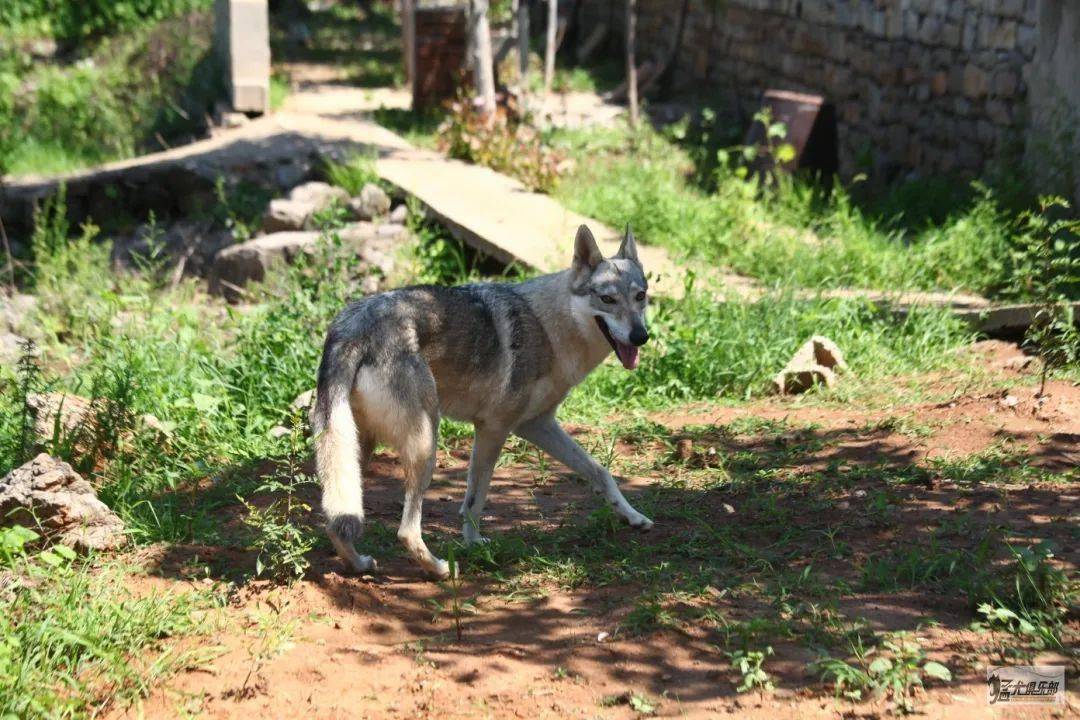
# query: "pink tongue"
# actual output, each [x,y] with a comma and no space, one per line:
[627,354]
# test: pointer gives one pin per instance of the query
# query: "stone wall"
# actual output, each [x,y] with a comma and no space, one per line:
[935,86]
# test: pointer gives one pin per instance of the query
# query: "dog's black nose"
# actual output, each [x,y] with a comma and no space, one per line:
[639,335]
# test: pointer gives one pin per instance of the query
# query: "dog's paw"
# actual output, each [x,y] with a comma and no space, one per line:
[440,570]
[363,564]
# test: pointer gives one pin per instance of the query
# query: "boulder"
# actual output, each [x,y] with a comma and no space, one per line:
[371,203]
[237,265]
[48,495]
[399,215]
[72,411]
[817,361]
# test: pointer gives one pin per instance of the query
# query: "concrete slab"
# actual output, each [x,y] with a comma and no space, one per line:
[497,215]
[242,38]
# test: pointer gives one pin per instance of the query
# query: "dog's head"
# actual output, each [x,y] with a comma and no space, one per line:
[612,292]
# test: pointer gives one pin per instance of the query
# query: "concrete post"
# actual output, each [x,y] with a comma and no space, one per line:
[242,39]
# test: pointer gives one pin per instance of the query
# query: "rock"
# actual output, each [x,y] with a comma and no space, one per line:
[1009,401]
[399,215]
[46,494]
[1018,363]
[72,410]
[817,361]
[371,203]
[285,216]
[395,233]
[237,265]
[728,509]
[15,311]
[298,210]
[319,195]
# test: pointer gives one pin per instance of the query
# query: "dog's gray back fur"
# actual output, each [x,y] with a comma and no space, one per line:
[498,355]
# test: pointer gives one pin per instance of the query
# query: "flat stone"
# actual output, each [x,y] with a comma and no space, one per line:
[46,494]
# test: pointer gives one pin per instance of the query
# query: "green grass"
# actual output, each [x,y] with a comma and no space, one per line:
[75,642]
[792,233]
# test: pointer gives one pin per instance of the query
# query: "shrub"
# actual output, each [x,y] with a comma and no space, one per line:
[506,142]
[65,19]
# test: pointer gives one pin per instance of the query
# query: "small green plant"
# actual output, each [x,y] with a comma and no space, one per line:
[1030,599]
[1047,267]
[456,606]
[894,669]
[281,543]
[750,666]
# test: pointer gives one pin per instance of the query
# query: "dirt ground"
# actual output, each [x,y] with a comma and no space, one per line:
[538,646]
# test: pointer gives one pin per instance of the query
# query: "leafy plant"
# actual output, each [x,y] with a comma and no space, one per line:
[280,542]
[506,142]
[1030,599]
[750,666]
[1047,267]
[894,669]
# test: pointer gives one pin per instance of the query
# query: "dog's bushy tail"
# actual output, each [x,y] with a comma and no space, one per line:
[337,448]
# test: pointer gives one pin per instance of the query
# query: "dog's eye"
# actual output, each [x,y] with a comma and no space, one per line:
[641,296]
[607,299]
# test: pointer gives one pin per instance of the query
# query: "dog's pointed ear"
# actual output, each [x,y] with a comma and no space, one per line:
[586,252]
[628,248]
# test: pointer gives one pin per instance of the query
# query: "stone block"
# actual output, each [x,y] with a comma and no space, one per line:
[1005,84]
[242,38]
[975,83]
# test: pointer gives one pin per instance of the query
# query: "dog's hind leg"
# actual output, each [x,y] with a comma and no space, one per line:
[546,433]
[486,447]
[417,414]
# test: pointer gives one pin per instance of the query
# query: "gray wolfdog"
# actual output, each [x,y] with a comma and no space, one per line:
[499,355]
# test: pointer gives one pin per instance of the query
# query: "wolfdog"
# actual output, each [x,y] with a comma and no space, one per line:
[502,356]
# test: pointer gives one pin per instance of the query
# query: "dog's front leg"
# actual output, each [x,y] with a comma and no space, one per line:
[548,435]
[486,448]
